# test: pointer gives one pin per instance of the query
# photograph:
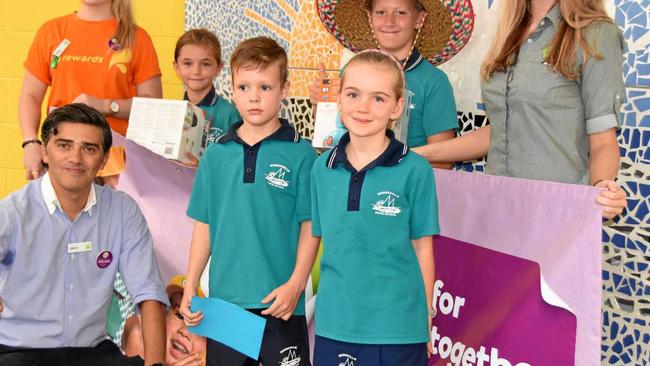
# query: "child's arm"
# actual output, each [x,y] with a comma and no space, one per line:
[424,251]
[603,165]
[470,146]
[286,296]
[439,137]
[199,254]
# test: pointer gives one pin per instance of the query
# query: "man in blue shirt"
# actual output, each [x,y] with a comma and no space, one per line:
[62,240]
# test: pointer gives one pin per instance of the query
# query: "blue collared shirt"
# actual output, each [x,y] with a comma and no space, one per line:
[55,295]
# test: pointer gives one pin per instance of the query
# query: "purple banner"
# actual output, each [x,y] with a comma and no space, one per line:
[519,283]
[491,312]
[518,267]
[162,189]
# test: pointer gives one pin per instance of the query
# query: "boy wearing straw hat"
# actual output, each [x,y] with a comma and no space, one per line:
[419,33]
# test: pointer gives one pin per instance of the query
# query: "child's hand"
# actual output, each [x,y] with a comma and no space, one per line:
[192,161]
[196,359]
[191,319]
[286,298]
[612,198]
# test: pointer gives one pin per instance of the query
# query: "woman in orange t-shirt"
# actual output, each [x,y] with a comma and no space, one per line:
[96,56]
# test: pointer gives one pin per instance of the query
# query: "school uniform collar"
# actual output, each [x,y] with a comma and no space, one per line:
[393,155]
[52,201]
[413,61]
[285,133]
[209,100]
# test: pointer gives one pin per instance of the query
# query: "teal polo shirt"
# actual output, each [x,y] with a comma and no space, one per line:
[371,289]
[433,106]
[254,199]
[219,113]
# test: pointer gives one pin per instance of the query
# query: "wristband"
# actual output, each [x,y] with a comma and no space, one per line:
[31,141]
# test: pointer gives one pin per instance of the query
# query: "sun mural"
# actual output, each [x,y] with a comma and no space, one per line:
[293,23]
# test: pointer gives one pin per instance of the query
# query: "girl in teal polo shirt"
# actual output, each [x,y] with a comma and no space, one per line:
[374,205]
[197,61]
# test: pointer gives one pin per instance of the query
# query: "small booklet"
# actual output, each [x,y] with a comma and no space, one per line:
[229,324]
[328,128]
[171,128]
[401,125]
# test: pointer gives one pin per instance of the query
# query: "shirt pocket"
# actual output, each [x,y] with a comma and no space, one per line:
[544,87]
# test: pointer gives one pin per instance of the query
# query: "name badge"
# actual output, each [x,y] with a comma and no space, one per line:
[82,246]
[58,52]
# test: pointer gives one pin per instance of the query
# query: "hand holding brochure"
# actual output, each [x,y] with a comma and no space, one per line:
[229,324]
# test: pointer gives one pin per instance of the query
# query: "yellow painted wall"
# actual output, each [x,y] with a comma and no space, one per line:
[19,20]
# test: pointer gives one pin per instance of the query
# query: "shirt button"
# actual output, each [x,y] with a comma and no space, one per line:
[529,40]
[249,170]
[71,286]
[355,179]
[250,152]
[354,198]
[543,22]
[70,319]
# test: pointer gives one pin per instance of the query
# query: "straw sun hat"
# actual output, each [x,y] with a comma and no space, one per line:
[446,30]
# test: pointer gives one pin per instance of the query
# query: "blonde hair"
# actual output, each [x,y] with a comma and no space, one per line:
[381,58]
[125,31]
[260,53]
[514,19]
[199,37]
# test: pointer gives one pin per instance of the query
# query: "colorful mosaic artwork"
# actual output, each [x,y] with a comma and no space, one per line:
[626,252]
[293,23]
[626,249]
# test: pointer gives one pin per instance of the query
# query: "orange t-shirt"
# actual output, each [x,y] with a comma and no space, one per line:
[88,65]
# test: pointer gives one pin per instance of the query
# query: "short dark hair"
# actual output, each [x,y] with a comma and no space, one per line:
[76,113]
[260,53]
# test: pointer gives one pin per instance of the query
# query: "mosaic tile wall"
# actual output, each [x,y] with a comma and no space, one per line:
[626,268]
[626,272]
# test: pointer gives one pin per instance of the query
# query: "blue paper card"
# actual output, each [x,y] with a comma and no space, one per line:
[229,324]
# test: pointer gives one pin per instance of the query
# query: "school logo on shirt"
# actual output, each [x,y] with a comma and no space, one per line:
[290,358]
[120,60]
[385,205]
[346,360]
[275,177]
[215,133]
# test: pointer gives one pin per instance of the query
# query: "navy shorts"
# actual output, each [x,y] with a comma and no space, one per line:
[329,352]
[285,343]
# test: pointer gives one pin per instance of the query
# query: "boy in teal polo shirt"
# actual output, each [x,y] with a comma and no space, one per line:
[251,202]
[374,204]
[434,113]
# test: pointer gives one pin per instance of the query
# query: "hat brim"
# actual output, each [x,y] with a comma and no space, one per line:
[446,30]
[177,284]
